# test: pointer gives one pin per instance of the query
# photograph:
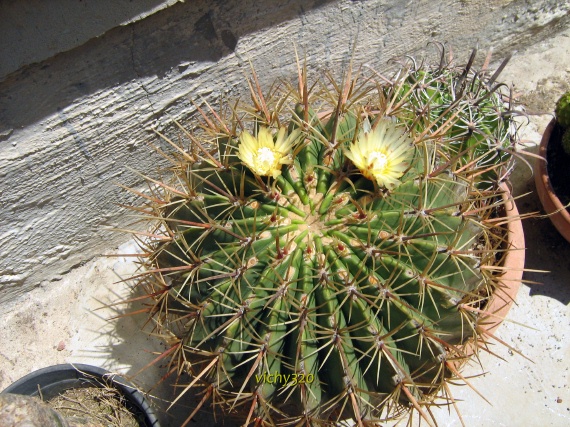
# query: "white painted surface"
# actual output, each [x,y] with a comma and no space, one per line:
[72,124]
[35,30]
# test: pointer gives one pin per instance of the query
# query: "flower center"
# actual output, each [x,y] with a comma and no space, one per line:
[377,161]
[265,159]
[265,154]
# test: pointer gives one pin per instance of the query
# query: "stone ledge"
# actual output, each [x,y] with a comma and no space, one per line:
[73,124]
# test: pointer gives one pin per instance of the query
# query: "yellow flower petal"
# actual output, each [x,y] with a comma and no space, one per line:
[262,155]
[381,154]
[264,138]
[247,140]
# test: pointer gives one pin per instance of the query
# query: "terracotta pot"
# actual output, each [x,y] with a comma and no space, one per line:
[508,286]
[549,199]
[513,264]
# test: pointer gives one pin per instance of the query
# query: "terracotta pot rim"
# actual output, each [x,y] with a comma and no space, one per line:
[503,297]
[546,194]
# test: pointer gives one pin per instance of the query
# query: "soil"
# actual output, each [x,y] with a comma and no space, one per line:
[96,405]
[558,166]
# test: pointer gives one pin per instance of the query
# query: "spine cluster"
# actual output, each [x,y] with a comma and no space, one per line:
[346,245]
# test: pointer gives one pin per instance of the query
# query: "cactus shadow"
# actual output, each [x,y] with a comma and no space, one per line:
[134,345]
[546,250]
[175,38]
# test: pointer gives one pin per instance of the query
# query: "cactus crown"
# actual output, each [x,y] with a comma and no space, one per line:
[322,253]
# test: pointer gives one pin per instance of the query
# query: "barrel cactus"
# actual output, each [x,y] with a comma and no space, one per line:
[472,108]
[322,254]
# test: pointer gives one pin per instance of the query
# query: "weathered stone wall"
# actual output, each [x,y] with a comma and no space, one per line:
[73,119]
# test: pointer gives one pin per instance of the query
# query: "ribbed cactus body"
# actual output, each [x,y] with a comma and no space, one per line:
[335,278]
[467,105]
[344,286]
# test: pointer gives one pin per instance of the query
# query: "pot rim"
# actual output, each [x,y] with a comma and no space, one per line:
[556,211]
[509,283]
[504,295]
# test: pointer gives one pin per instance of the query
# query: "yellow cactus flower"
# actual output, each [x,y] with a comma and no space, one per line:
[264,156]
[381,154]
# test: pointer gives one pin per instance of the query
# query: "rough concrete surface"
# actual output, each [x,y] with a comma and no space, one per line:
[34,30]
[72,154]
[69,322]
[72,124]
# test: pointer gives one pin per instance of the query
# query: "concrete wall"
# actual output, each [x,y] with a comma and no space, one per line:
[74,110]
[35,30]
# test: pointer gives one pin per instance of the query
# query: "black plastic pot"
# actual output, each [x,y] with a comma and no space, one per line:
[53,380]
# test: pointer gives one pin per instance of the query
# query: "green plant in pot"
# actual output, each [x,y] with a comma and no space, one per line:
[330,250]
[552,176]
[563,118]
[74,395]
